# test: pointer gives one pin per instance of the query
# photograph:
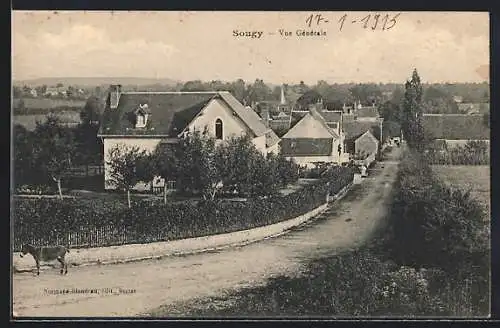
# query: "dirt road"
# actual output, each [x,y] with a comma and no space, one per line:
[95,290]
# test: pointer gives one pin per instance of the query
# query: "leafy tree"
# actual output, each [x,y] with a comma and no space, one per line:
[196,85]
[287,171]
[308,98]
[389,111]
[411,112]
[165,161]
[302,87]
[335,96]
[24,170]
[89,146]
[258,91]
[437,100]
[197,166]
[238,89]
[128,167]
[91,112]
[367,93]
[397,96]
[236,160]
[53,149]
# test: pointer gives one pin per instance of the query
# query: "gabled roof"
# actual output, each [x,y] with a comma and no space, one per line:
[322,120]
[171,112]
[311,125]
[249,116]
[456,126]
[368,134]
[354,129]
[271,138]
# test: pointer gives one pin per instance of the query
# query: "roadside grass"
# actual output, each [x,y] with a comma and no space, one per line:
[329,286]
[367,282]
[475,178]
[361,283]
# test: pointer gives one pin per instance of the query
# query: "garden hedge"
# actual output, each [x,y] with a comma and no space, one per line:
[96,222]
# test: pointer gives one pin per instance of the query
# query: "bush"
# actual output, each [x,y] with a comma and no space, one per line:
[432,224]
[357,283]
[96,222]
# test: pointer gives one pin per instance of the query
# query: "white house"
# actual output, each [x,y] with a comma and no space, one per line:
[147,119]
[316,138]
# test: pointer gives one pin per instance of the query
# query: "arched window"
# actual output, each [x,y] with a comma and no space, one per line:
[218,129]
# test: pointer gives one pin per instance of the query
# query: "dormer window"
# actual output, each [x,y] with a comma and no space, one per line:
[142,114]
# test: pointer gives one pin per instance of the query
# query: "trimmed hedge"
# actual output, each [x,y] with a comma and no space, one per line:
[97,223]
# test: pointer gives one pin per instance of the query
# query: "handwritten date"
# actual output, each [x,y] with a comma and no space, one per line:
[370,21]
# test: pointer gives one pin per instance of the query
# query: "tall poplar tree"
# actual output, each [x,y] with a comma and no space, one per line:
[411,112]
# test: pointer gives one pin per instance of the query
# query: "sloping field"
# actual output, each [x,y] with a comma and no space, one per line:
[475,178]
[48,103]
[29,121]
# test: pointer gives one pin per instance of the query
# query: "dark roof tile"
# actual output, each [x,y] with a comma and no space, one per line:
[331,116]
[354,129]
[170,112]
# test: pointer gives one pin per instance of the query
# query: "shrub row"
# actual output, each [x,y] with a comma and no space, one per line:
[472,153]
[101,223]
[457,157]
[434,225]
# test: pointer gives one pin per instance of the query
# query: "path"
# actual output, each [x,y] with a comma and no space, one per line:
[149,284]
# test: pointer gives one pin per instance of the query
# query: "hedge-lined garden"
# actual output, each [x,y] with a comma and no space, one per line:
[95,223]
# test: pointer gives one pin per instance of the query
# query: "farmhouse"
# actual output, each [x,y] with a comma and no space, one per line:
[317,137]
[456,129]
[147,119]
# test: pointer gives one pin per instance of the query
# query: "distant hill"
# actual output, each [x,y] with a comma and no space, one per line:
[94,81]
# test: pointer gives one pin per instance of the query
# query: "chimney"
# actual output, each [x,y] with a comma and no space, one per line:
[115,91]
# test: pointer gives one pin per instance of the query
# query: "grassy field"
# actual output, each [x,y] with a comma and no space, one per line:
[29,121]
[475,178]
[49,103]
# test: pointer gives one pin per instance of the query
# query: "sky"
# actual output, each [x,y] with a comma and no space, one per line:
[443,46]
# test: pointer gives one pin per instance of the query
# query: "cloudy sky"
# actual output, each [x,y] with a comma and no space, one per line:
[444,47]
